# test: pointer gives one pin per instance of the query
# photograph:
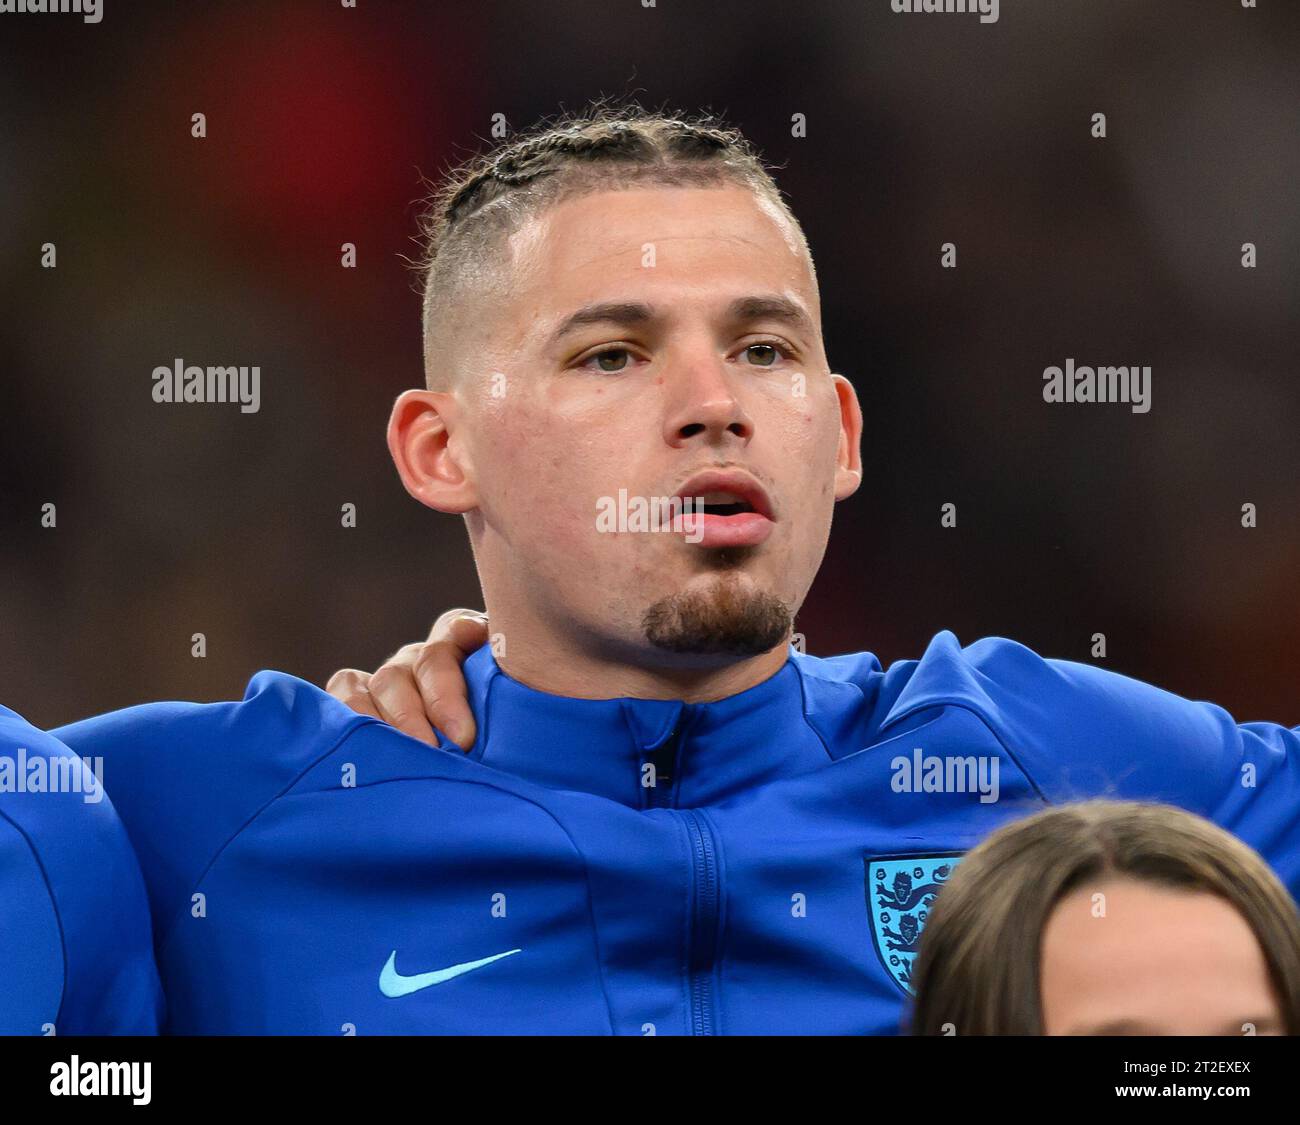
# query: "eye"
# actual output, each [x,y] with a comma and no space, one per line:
[618,357]
[766,352]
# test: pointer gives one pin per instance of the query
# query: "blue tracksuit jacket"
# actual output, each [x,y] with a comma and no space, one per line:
[759,864]
[76,954]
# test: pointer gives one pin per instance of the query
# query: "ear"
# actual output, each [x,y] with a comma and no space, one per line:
[422,438]
[848,472]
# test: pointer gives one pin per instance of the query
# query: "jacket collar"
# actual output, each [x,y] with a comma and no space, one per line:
[946,676]
[702,753]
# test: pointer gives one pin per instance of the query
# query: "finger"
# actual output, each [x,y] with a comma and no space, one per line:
[442,688]
[363,704]
[347,682]
[397,698]
[348,686]
[467,629]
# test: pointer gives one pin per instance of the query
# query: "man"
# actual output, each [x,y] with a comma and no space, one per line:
[671,822]
[74,922]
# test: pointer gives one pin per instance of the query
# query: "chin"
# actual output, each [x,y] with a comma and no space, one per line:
[729,615]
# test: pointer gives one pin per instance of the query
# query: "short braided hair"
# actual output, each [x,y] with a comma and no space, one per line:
[482,201]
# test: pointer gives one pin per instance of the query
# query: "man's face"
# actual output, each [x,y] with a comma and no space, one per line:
[712,362]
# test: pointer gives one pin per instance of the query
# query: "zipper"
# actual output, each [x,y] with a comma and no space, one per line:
[664,760]
[704,921]
[702,936]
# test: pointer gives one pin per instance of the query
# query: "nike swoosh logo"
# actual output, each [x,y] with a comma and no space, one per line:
[392,983]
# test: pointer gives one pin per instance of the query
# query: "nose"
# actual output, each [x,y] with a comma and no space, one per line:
[704,406]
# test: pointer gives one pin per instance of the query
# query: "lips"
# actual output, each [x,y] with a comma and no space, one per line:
[729,508]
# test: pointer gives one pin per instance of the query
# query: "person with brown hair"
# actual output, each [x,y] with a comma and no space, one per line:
[1110,918]
[673,820]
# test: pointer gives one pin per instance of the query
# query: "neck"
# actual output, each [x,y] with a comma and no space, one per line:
[593,667]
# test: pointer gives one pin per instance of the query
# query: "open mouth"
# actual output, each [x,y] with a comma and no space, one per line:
[724,504]
[727,492]
[731,509]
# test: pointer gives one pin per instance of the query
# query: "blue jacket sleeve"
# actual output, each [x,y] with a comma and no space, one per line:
[74,920]
[1079,731]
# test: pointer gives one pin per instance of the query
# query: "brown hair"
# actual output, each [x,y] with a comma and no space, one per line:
[978,967]
[605,146]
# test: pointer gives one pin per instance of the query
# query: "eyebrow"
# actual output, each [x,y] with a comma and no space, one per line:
[762,306]
[1115,1027]
[1264,1025]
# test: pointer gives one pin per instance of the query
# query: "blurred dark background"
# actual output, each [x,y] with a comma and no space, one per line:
[922,129]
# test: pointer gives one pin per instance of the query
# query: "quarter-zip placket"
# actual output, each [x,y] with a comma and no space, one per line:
[705,899]
[663,759]
[702,934]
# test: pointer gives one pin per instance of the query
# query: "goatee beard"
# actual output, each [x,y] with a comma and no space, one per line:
[728,617]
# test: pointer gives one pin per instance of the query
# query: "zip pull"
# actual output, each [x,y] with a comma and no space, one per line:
[659,771]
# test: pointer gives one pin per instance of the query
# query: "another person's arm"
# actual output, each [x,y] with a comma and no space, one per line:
[421,685]
[75,930]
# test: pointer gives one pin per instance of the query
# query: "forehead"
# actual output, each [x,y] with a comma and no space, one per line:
[1136,909]
[1155,949]
[580,247]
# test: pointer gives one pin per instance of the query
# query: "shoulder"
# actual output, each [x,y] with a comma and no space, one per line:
[185,777]
[72,902]
[189,778]
[46,790]
[215,756]
[1075,729]
[277,710]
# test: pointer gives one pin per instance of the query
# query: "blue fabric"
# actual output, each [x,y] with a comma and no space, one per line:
[74,920]
[296,853]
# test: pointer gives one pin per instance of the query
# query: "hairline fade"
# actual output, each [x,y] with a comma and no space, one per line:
[478,204]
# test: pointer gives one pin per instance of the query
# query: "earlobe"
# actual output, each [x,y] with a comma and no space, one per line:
[848,471]
[430,462]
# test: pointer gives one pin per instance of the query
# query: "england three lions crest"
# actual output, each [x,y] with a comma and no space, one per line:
[900,890]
